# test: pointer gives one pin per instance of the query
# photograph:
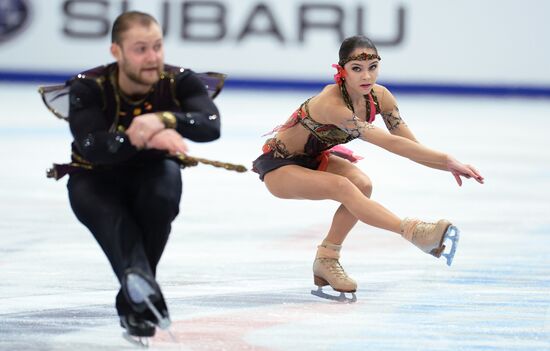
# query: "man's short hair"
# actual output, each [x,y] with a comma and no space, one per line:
[126,20]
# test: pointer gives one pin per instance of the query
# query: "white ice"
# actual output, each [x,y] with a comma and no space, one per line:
[237,269]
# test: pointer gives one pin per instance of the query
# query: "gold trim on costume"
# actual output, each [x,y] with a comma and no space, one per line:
[168,119]
[47,89]
[113,127]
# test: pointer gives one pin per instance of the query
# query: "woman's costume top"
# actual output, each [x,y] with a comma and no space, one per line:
[322,136]
[325,139]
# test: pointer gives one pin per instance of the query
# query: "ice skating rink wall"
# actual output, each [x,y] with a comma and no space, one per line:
[479,44]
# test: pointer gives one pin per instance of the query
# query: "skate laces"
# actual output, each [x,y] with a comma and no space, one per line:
[424,229]
[335,268]
[413,228]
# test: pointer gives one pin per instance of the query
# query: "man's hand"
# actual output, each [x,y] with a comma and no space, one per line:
[143,128]
[169,140]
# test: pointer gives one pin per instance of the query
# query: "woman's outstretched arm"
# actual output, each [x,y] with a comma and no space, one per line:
[410,149]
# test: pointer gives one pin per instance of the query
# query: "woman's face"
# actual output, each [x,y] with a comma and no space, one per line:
[361,75]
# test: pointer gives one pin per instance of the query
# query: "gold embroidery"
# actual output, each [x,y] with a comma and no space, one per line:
[355,127]
[392,119]
[278,147]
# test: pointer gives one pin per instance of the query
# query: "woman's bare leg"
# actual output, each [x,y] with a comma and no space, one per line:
[343,221]
[295,182]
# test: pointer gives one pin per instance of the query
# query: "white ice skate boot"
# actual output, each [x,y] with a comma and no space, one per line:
[328,271]
[431,237]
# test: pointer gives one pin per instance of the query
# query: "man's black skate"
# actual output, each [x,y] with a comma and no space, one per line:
[145,297]
[138,330]
[137,326]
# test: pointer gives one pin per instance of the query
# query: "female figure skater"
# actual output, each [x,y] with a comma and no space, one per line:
[305,161]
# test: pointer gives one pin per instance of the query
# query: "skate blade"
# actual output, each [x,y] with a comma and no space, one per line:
[342,298]
[142,342]
[139,291]
[451,239]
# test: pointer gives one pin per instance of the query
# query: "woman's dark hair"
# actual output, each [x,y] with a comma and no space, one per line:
[126,20]
[352,43]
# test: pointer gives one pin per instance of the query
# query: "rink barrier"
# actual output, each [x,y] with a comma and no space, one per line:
[317,85]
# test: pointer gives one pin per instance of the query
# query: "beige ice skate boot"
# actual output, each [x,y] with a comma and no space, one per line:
[430,237]
[328,271]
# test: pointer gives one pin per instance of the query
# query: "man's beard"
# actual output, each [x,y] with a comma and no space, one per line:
[136,78]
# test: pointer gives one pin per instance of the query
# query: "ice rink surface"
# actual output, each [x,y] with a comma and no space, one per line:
[237,269]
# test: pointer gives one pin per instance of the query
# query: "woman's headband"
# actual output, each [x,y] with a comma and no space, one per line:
[361,57]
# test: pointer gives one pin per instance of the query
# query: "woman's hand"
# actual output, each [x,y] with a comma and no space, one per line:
[461,170]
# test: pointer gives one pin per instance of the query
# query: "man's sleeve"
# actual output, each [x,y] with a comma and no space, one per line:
[199,119]
[90,126]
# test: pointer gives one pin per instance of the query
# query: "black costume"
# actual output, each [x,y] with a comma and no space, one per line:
[128,197]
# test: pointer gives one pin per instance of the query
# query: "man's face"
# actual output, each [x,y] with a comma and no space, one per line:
[140,55]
